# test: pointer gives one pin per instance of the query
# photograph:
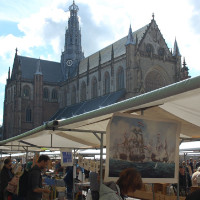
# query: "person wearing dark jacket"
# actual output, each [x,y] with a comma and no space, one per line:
[5,177]
[194,195]
[35,189]
[68,179]
[184,181]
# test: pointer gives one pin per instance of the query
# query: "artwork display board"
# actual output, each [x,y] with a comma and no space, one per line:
[88,164]
[80,161]
[150,145]
[66,157]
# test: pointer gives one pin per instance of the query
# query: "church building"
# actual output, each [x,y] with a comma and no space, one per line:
[40,90]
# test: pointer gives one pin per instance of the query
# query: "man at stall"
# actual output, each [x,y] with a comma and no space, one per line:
[69,181]
[184,181]
[35,189]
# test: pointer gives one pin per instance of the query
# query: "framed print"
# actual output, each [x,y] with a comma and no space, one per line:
[149,145]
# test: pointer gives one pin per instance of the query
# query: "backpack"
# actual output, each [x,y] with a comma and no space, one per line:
[23,184]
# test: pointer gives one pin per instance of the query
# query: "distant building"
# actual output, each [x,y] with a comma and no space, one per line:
[40,90]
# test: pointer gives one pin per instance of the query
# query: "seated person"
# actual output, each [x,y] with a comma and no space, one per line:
[129,181]
[195,176]
[194,195]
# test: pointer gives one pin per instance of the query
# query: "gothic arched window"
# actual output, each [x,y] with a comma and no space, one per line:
[106,83]
[54,94]
[28,115]
[149,49]
[154,80]
[161,51]
[94,88]
[83,91]
[45,93]
[120,78]
[26,91]
[73,95]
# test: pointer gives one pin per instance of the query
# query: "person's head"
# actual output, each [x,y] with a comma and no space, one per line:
[183,163]
[8,163]
[181,170]
[29,165]
[129,181]
[43,161]
[190,159]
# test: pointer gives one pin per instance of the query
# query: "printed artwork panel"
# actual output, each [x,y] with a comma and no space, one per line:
[66,157]
[149,145]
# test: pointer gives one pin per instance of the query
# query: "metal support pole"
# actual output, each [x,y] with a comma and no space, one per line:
[26,157]
[51,140]
[153,191]
[178,188]
[74,172]
[1,161]
[101,159]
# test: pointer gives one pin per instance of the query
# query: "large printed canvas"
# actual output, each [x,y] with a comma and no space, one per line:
[149,145]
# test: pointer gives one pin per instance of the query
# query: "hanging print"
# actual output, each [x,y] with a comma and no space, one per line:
[149,145]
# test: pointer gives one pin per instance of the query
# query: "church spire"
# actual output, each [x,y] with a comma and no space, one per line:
[176,51]
[38,69]
[130,39]
[9,73]
[72,54]
[16,51]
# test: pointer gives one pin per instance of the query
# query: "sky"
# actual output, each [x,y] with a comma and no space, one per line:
[37,28]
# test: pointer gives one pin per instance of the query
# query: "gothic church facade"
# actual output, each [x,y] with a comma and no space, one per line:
[39,90]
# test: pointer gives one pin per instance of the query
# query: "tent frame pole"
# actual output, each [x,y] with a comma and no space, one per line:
[74,172]
[101,160]
[101,154]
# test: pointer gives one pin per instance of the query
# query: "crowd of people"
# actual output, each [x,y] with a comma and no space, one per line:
[189,175]
[32,183]
[129,181]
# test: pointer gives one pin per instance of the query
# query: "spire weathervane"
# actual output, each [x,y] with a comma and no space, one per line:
[153,16]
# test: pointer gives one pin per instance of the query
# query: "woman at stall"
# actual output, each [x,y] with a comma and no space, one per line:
[5,177]
[129,181]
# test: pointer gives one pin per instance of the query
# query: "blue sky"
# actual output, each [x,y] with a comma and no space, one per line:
[37,27]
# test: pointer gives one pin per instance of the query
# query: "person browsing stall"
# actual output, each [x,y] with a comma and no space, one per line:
[129,181]
[35,189]
[5,177]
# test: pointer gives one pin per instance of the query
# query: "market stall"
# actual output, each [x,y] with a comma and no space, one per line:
[178,102]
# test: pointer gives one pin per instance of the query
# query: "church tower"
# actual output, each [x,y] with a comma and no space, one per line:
[72,54]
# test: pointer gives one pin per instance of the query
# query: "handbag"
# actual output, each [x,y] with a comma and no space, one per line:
[12,186]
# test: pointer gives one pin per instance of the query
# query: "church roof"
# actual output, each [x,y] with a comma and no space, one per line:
[118,47]
[88,105]
[50,70]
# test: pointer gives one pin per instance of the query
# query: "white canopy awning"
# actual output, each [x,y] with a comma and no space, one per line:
[178,101]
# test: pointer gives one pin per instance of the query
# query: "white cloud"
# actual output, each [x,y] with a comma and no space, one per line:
[3,78]
[102,22]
